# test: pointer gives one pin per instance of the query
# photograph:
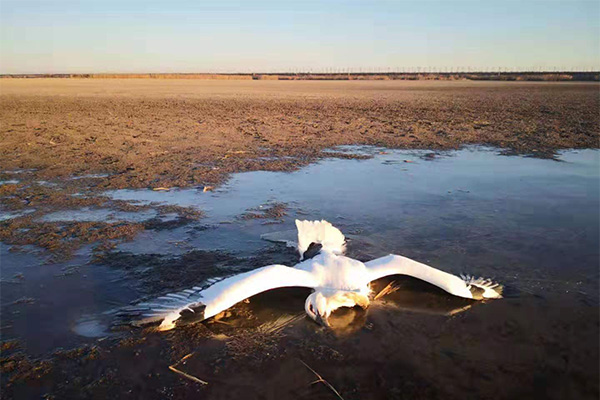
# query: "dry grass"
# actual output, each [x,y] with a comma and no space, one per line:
[391,287]
[186,375]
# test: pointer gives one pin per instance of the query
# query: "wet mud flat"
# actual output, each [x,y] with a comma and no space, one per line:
[530,223]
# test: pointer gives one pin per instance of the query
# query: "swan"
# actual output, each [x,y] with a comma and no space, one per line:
[337,281]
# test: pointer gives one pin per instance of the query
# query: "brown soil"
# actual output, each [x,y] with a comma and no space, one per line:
[180,133]
[272,211]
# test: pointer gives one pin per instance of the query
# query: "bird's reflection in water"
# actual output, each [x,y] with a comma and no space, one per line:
[345,321]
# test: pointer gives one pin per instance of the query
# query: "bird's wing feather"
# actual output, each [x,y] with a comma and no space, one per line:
[466,287]
[199,303]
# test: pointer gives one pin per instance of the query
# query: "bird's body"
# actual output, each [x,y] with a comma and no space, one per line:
[341,282]
[336,272]
[337,281]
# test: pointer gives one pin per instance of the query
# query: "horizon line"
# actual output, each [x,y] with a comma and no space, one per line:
[499,70]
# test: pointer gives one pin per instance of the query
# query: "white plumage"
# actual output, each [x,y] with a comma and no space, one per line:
[337,281]
[321,232]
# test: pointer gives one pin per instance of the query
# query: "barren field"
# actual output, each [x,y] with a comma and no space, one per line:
[187,132]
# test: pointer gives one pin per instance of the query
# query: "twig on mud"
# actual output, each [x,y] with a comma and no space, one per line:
[321,380]
[191,377]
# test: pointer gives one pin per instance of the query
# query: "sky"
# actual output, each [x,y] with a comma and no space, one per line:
[103,36]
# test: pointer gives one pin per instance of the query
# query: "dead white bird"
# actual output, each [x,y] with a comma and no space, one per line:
[337,281]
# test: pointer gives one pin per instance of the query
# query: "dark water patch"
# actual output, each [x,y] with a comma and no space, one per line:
[98,215]
[156,273]
[62,293]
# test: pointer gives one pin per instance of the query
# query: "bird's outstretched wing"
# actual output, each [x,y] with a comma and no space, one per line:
[466,286]
[200,303]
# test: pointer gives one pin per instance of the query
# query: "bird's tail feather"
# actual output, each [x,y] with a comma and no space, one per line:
[320,232]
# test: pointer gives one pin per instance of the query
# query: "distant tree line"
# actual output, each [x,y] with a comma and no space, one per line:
[475,76]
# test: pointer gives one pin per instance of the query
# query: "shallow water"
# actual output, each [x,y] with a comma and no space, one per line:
[532,224]
[98,214]
[467,201]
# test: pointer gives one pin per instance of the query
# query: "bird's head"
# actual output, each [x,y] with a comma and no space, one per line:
[316,308]
[320,304]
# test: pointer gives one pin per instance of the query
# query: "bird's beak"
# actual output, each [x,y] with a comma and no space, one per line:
[322,321]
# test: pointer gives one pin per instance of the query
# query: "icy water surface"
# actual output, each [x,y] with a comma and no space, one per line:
[532,224]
